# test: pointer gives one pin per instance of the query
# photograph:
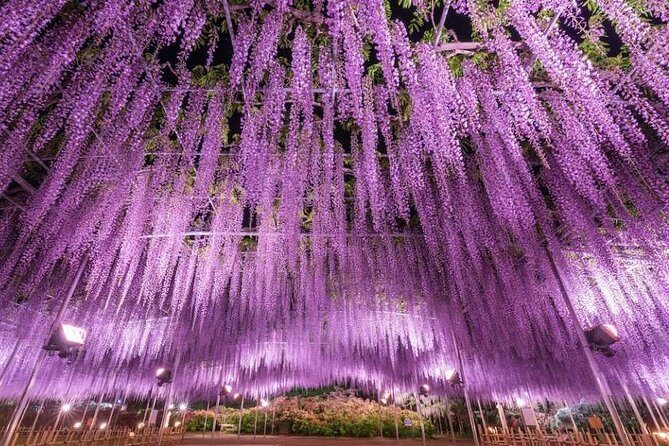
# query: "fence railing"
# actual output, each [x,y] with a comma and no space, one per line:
[498,437]
[106,437]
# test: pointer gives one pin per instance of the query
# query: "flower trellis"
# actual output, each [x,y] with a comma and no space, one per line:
[339,201]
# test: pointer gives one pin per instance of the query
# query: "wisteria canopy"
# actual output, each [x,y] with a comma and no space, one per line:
[273,194]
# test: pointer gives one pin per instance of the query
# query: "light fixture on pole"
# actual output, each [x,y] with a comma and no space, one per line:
[601,337]
[164,376]
[67,340]
[453,378]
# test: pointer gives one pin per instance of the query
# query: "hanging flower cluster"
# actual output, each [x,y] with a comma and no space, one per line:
[306,218]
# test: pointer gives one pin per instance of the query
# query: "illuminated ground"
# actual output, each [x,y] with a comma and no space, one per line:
[198,439]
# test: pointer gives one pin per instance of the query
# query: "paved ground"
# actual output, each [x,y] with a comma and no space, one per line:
[230,440]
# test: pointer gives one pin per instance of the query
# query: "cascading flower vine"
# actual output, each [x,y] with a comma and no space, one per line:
[335,200]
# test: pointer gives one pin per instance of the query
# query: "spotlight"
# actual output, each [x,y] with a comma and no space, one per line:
[140,425]
[226,389]
[264,403]
[164,376]
[77,425]
[453,377]
[183,406]
[383,401]
[66,407]
[661,435]
[520,402]
[236,396]
[103,426]
[177,423]
[601,337]
[424,390]
[67,340]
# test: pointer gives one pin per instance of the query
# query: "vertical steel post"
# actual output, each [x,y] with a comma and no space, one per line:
[600,380]
[420,416]
[14,422]
[465,390]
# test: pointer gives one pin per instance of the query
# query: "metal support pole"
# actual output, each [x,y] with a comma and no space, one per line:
[594,367]
[502,417]
[450,419]
[397,427]
[166,414]
[97,411]
[273,417]
[241,415]
[39,412]
[652,414]
[485,425]
[146,411]
[213,425]
[465,391]
[255,423]
[378,395]
[5,369]
[571,416]
[659,412]
[206,414]
[13,424]
[635,409]
[420,417]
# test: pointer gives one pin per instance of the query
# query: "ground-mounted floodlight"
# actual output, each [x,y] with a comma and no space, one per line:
[520,402]
[226,390]
[103,426]
[601,337]
[236,396]
[77,425]
[177,423]
[453,378]
[140,425]
[183,406]
[424,390]
[164,376]
[67,340]
[65,407]
[264,403]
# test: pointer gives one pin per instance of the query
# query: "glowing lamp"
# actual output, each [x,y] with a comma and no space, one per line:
[424,390]
[264,403]
[661,401]
[236,396]
[453,377]
[183,406]
[77,425]
[164,376]
[140,425]
[103,426]
[383,401]
[520,402]
[177,423]
[227,389]
[66,407]
[601,337]
[67,340]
